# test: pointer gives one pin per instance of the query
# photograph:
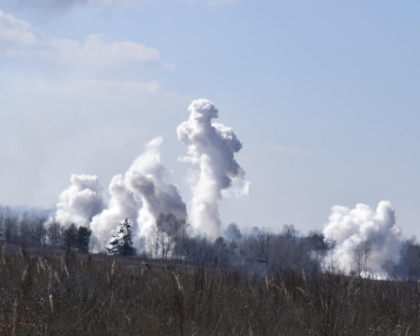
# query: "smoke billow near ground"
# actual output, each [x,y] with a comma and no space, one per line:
[193,274]
[145,192]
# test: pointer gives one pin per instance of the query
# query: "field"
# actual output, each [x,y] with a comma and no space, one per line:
[72,294]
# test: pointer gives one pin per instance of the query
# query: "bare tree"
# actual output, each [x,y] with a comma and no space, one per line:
[167,236]
[11,223]
[2,232]
[361,256]
[54,234]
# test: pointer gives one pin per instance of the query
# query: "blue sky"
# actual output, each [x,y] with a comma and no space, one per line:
[323,95]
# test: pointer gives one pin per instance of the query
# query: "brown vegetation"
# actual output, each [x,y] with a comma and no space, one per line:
[78,295]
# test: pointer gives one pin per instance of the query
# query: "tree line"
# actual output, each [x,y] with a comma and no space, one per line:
[258,251]
[173,238]
[31,228]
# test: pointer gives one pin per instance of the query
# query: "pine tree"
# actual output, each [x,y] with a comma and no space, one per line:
[83,238]
[70,237]
[122,244]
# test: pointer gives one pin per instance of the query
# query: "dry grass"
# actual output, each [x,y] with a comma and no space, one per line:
[76,295]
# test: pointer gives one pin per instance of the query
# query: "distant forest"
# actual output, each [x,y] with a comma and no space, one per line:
[259,251]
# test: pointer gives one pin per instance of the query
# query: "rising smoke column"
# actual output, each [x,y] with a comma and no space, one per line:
[147,179]
[141,195]
[121,205]
[81,201]
[350,228]
[211,149]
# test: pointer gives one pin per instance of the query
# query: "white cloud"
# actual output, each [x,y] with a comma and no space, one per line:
[100,50]
[287,150]
[102,87]
[61,5]
[21,39]
[68,4]
[16,31]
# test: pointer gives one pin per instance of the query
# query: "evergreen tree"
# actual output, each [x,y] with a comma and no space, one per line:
[233,233]
[70,237]
[83,238]
[122,244]
[54,234]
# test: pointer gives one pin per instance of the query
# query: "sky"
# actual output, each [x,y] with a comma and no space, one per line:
[322,94]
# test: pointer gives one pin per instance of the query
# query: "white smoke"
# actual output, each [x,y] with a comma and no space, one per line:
[211,149]
[143,192]
[147,179]
[141,195]
[121,205]
[350,229]
[81,201]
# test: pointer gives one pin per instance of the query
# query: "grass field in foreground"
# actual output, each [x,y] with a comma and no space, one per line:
[72,294]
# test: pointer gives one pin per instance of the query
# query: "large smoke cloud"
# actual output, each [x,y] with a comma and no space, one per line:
[364,237]
[147,178]
[211,149]
[143,192]
[141,195]
[81,201]
[121,205]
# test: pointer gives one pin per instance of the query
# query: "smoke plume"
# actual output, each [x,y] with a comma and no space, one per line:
[367,240]
[81,201]
[147,178]
[211,149]
[141,195]
[121,205]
